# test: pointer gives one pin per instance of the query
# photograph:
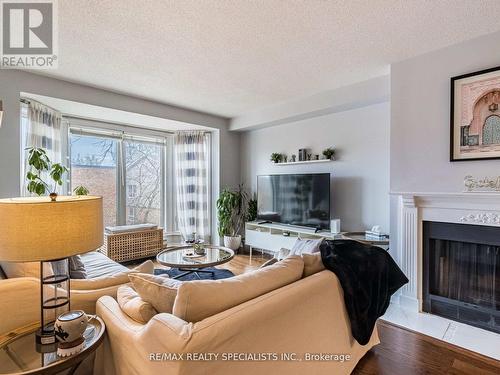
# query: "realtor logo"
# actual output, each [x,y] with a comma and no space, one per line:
[29,38]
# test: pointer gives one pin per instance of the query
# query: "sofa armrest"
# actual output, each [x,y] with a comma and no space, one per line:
[114,317]
[129,346]
[20,303]
[109,310]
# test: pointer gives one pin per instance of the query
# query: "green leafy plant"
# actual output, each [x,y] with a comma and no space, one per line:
[81,190]
[329,152]
[252,209]
[39,163]
[231,211]
[276,157]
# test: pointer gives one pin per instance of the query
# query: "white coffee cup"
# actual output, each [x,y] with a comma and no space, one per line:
[70,326]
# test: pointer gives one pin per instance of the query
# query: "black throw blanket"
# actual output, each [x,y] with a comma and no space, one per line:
[369,276]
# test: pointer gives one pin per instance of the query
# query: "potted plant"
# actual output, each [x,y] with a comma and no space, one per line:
[276,157]
[231,212]
[81,190]
[39,163]
[329,153]
[252,209]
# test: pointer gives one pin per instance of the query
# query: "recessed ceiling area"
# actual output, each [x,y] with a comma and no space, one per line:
[231,57]
[111,115]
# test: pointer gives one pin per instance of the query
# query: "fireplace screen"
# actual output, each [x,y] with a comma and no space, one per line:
[461,273]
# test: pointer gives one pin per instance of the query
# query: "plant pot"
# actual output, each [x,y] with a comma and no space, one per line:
[233,243]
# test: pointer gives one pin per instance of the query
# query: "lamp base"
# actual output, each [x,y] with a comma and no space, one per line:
[45,338]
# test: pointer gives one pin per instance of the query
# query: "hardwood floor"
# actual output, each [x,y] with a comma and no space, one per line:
[405,352]
[241,263]
[401,352]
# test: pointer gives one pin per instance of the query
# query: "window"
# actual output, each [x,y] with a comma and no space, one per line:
[94,165]
[134,170]
[143,171]
[132,214]
[128,169]
[131,191]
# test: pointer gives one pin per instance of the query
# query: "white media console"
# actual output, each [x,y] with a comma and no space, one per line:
[272,237]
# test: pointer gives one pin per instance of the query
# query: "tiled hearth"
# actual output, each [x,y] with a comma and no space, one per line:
[406,309]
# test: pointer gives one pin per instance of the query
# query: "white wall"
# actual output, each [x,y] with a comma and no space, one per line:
[361,173]
[420,117]
[420,121]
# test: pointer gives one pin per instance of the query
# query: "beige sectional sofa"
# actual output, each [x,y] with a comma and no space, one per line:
[303,318]
[21,294]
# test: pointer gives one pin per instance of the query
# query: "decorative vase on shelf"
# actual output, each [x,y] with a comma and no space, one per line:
[232,242]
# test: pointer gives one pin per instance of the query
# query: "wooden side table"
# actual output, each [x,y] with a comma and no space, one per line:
[19,353]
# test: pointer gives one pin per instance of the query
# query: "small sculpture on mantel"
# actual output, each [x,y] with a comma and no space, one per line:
[482,185]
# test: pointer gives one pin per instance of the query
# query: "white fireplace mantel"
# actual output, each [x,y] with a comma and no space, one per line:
[417,207]
[406,309]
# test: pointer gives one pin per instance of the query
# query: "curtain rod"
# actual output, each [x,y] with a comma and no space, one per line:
[29,101]
[72,117]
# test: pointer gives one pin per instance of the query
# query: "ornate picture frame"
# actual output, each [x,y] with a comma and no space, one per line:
[475,116]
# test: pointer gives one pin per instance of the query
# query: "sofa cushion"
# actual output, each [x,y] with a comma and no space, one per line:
[133,305]
[197,300]
[130,228]
[308,246]
[312,264]
[113,278]
[25,269]
[159,291]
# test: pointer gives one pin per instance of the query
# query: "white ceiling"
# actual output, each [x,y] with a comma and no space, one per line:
[230,57]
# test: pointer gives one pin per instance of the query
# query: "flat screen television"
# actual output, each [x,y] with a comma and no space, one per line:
[295,199]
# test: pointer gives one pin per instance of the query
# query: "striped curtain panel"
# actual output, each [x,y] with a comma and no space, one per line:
[43,129]
[191,161]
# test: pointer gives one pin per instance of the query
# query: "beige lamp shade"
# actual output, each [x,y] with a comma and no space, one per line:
[37,229]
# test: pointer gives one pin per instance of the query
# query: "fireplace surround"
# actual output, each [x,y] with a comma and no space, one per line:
[461,273]
[409,213]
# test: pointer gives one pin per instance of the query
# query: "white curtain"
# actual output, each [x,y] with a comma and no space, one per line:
[42,127]
[191,160]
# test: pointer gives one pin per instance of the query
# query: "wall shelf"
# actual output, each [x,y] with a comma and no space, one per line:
[304,162]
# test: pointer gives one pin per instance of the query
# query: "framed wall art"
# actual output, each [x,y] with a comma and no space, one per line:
[475,116]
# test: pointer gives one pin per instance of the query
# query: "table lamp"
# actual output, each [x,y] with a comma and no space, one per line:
[36,229]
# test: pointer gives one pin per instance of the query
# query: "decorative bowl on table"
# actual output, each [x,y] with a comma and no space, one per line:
[199,248]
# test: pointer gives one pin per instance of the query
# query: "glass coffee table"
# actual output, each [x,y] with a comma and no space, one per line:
[185,259]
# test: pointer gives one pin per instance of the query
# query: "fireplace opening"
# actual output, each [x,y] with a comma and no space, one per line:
[461,273]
